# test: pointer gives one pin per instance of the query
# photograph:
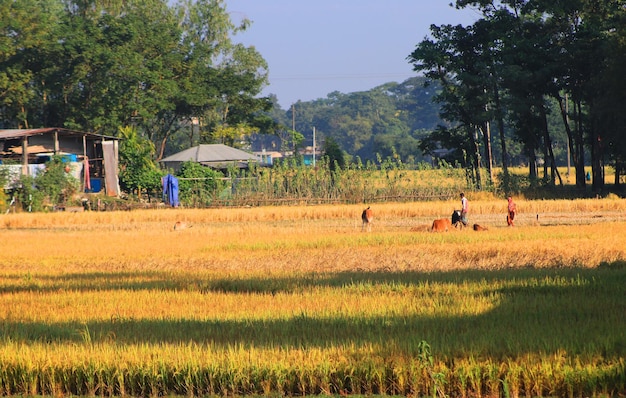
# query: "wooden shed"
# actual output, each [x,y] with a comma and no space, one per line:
[93,157]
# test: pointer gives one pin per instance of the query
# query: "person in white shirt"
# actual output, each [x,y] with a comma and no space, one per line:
[464,209]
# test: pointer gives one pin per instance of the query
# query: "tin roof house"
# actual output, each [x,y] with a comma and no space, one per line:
[216,156]
[93,157]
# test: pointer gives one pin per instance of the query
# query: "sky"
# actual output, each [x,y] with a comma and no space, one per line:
[315,47]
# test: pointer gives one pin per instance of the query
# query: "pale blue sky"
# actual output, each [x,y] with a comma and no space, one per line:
[315,47]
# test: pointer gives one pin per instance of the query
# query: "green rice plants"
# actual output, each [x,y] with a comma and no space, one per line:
[512,378]
[352,379]
[591,378]
[475,377]
[120,380]
[303,381]
[206,382]
[399,377]
[426,360]
[461,379]
[572,381]
[492,379]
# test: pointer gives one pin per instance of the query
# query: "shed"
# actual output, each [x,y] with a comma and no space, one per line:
[216,156]
[93,157]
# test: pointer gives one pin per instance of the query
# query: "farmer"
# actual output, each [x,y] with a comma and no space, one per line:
[464,209]
[511,209]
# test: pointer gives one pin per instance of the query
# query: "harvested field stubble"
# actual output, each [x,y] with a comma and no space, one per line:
[299,301]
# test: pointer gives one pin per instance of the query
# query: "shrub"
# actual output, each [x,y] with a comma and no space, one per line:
[198,184]
[50,187]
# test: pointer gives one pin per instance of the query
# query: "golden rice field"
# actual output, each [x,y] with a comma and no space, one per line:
[299,301]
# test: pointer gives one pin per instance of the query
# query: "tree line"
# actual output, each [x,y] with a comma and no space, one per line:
[521,62]
[391,120]
[534,83]
[155,65]
[544,77]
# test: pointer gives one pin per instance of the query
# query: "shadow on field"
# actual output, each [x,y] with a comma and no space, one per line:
[579,311]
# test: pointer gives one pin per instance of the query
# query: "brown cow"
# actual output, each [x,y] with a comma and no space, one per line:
[179,225]
[367,217]
[441,225]
[479,228]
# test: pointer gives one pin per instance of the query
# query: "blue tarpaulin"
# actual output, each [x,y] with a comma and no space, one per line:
[170,190]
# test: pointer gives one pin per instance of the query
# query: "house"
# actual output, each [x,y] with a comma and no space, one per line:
[93,158]
[309,155]
[266,158]
[216,156]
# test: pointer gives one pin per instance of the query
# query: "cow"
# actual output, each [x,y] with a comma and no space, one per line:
[441,225]
[478,227]
[179,225]
[367,217]
[456,219]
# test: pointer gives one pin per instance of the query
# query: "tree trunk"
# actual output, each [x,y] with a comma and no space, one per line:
[476,158]
[488,153]
[574,143]
[532,164]
[546,155]
[500,120]
[579,147]
[597,162]
[619,167]
[554,172]
[597,153]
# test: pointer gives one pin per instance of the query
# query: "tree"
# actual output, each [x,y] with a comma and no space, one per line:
[21,37]
[128,62]
[453,59]
[138,172]
[512,61]
[231,135]
[334,154]
[221,79]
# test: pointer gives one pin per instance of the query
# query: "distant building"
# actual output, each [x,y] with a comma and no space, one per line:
[266,158]
[308,155]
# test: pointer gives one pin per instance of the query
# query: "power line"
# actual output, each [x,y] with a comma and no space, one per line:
[342,77]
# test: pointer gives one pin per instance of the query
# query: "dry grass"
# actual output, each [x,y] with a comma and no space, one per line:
[313,238]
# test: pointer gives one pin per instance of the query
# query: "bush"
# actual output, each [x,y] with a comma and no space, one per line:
[51,187]
[3,196]
[198,185]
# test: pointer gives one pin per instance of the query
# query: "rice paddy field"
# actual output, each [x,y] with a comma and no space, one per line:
[299,300]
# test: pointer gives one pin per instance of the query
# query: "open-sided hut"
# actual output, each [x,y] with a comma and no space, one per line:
[216,156]
[93,158]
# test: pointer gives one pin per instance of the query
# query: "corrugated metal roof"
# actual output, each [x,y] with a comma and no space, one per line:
[19,133]
[209,153]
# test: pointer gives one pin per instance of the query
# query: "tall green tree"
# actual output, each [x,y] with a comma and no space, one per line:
[96,65]
[454,58]
[224,79]
[138,171]
[22,35]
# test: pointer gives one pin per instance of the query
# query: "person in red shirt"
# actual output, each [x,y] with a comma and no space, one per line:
[511,209]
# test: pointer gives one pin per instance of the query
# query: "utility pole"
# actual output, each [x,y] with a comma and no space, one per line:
[293,127]
[313,146]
